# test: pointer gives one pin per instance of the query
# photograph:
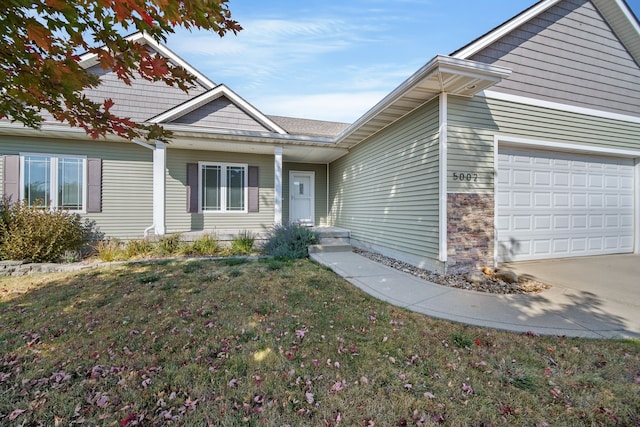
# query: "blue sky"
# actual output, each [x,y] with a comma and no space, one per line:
[334,59]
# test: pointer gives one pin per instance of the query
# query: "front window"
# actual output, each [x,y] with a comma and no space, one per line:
[223,187]
[53,181]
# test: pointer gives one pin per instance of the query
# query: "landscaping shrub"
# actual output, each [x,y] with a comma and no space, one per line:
[289,241]
[169,245]
[206,245]
[243,243]
[111,250]
[42,235]
[139,248]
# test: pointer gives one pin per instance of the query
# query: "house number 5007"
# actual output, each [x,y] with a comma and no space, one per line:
[461,176]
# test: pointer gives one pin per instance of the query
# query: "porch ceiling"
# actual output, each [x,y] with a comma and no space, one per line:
[441,74]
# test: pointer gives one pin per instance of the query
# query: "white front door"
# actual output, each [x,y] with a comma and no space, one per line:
[301,197]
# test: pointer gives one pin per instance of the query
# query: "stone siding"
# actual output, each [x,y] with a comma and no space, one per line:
[470,232]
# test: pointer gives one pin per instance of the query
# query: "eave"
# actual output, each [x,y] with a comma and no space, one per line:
[443,74]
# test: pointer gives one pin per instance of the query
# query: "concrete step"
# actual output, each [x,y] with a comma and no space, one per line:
[334,240]
[329,248]
[331,232]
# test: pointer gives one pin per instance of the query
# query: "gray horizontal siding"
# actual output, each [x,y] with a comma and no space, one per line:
[126,184]
[142,100]
[177,217]
[386,189]
[221,113]
[568,54]
[473,123]
[320,190]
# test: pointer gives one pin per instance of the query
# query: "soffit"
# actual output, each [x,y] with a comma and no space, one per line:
[442,74]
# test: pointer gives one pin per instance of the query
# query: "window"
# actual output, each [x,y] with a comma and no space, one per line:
[223,187]
[53,181]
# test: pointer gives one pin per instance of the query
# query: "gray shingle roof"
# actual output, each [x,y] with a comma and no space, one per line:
[309,127]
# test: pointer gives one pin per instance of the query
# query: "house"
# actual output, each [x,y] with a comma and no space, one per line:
[523,144]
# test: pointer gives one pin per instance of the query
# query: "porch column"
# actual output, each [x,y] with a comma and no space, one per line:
[277,187]
[159,168]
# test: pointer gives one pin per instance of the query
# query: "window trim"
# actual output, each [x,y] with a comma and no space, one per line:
[53,177]
[223,188]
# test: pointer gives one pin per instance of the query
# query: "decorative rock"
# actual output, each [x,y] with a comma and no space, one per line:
[488,271]
[476,277]
[507,276]
[490,284]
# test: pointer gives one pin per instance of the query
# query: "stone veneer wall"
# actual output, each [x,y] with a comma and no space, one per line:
[470,232]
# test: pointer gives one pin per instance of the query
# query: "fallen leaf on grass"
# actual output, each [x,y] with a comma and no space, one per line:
[15,414]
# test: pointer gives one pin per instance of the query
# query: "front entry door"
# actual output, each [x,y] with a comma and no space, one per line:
[301,197]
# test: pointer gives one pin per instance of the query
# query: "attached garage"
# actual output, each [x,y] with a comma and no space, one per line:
[557,204]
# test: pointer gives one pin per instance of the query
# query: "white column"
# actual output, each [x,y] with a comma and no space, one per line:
[442,161]
[159,167]
[277,187]
[636,190]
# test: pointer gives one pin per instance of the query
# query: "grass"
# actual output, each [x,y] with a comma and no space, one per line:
[281,343]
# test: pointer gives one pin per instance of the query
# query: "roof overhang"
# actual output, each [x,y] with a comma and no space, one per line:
[443,74]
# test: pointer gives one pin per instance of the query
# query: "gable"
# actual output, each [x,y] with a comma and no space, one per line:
[143,99]
[568,54]
[221,113]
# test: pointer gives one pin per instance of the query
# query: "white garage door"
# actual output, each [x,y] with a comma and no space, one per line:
[552,205]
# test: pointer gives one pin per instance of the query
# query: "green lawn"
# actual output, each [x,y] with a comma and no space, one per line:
[273,343]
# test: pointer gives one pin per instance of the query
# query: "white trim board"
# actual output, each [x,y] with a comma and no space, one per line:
[558,106]
[562,146]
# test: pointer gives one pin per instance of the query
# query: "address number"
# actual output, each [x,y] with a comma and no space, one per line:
[461,176]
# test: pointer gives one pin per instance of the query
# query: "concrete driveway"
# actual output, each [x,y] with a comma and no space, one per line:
[605,286]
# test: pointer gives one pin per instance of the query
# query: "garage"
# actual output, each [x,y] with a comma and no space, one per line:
[557,204]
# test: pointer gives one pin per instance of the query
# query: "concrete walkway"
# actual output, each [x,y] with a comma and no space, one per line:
[557,311]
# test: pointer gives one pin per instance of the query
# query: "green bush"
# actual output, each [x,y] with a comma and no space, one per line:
[243,243]
[289,241]
[42,235]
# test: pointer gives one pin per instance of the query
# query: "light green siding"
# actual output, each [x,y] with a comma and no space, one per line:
[320,190]
[386,189]
[473,123]
[177,217]
[126,184]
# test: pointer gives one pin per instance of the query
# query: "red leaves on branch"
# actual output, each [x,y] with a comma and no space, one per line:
[40,69]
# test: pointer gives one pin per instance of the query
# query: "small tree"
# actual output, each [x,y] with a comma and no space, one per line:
[41,39]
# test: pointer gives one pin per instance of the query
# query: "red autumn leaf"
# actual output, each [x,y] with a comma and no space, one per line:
[128,419]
